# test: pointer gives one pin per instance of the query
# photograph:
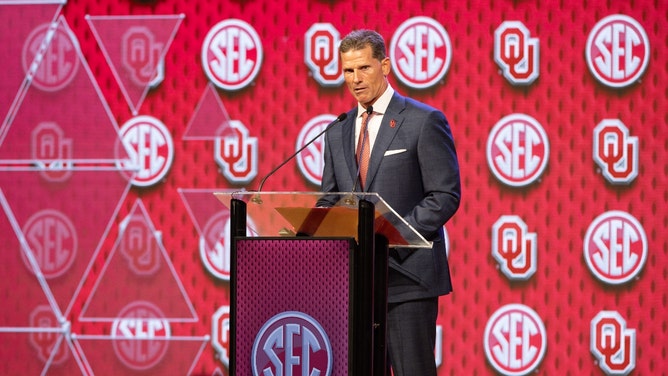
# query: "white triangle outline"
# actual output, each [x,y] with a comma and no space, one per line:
[134,107]
[27,79]
[138,207]
[102,163]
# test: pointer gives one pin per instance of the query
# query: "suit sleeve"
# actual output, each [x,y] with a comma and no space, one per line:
[439,169]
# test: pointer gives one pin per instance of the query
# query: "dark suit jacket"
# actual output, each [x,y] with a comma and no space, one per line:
[414,168]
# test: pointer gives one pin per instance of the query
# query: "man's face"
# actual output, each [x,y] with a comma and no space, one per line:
[364,75]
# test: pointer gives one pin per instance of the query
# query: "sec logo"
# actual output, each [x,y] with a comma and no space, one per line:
[617,51]
[311,160]
[615,247]
[292,343]
[53,242]
[58,63]
[420,52]
[214,244]
[141,335]
[232,54]
[515,340]
[517,150]
[150,148]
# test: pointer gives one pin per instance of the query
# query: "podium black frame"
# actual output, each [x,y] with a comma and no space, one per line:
[368,269]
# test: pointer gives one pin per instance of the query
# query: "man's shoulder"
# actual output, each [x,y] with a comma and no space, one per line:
[412,104]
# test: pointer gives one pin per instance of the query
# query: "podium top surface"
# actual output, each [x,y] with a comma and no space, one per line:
[319,214]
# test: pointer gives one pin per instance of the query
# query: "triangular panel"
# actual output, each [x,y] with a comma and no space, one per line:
[63,222]
[46,130]
[135,48]
[138,269]
[210,119]
[18,42]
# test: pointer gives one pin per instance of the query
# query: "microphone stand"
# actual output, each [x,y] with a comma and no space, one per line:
[256,199]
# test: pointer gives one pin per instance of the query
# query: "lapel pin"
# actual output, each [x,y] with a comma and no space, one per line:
[393,123]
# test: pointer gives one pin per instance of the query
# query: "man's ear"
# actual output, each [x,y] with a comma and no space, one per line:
[386,66]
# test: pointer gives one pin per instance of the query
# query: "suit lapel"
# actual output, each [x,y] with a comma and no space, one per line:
[348,140]
[392,121]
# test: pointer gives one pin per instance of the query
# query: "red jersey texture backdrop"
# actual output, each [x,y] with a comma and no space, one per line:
[120,119]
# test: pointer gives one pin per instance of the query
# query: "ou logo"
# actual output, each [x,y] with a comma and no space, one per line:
[292,343]
[220,334]
[52,151]
[616,151]
[516,53]
[45,340]
[612,343]
[321,54]
[514,247]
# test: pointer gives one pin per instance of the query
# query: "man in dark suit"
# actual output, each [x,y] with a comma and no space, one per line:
[413,166]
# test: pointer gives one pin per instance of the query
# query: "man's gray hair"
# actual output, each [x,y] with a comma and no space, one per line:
[360,39]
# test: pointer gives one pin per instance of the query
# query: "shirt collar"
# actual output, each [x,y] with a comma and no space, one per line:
[381,104]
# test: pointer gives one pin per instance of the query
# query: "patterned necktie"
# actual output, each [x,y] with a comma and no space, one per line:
[363,149]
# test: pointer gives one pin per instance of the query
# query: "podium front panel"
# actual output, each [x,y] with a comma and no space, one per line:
[292,305]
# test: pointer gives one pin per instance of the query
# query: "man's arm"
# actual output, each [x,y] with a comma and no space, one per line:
[439,168]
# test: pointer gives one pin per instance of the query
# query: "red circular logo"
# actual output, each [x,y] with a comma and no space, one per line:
[515,340]
[232,54]
[292,343]
[150,148]
[214,244]
[311,160]
[615,247]
[420,52]
[53,242]
[52,58]
[617,51]
[517,150]
[141,335]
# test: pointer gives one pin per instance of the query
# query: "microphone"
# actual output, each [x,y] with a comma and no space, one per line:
[339,119]
[369,111]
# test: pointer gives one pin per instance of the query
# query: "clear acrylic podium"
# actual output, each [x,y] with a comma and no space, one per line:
[315,262]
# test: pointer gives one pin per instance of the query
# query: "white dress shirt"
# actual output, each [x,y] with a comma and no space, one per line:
[379,109]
